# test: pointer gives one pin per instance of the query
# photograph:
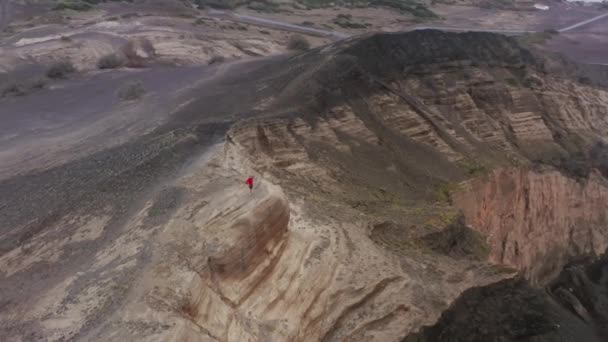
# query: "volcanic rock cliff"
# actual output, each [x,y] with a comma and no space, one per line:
[398,177]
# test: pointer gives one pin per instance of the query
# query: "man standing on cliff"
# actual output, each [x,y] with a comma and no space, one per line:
[249,183]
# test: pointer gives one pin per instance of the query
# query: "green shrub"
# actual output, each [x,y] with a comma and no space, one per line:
[61,70]
[444,191]
[474,167]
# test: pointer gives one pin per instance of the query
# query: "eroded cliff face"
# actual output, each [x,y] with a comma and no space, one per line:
[536,221]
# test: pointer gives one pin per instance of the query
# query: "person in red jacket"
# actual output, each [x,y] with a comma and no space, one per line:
[249,183]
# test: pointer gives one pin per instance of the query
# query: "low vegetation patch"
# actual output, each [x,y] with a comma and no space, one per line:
[131,91]
[220,4]
[216,59]
[73,5]
[187,15]
[264,6]
[110,61]
[200,21]
[474,168]
[498,4]
[413,7]
[458,241]
[61,70]
[15,89]
[256,5]
[345,21]
[130,15]
[445,190]
[538,38]
[23,88]
[298,43]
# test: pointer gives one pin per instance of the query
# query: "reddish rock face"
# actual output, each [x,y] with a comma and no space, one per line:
[536,221]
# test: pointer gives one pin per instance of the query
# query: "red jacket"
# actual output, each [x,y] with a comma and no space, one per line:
[249,181]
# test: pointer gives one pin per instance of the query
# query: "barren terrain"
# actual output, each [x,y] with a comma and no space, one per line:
[417,186]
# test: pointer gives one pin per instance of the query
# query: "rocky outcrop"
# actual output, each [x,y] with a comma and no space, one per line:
[413,128]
